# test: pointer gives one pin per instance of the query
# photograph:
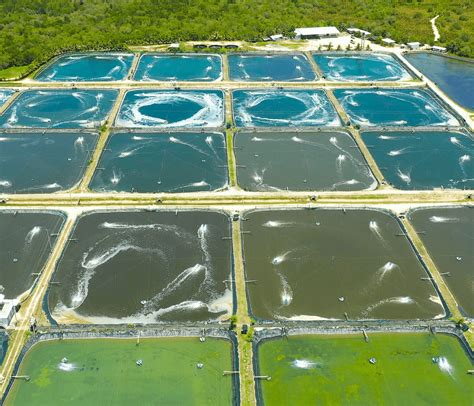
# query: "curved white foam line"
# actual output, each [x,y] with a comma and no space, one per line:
[32,234]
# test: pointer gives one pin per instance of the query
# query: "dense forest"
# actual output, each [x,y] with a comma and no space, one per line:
[32,30]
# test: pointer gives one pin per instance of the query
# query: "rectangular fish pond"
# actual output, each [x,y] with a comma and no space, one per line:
[409,368]
[172,108]
[5,95]
[333,263]
[162,162]
[274,161]
[283,108]
[351,67]
[62,108]
[448,235]
[192,67]
[417,160]
[26,241]
[454,76]
[394,107]
[145,267]
[173,371]
[43,162]
[87,67]
[270,67]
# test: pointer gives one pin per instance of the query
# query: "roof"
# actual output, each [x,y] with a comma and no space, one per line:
[438,48]
[317,31]
[363,32]
[413,43]
[388,40]
[276,36]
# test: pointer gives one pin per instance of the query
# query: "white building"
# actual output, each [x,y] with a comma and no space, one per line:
[7,310]
[413,45]
[388,41]
[362,33]
[316,32]
[276,37]
[438,49]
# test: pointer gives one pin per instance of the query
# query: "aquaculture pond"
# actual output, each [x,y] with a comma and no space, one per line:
[448,234]
[423,160]
[88,67]
[105,371]
[3,345]
[5,95]
[407,368]
[313,264]
[172,108]
[277,108]
[158,162]
[347,67]
[35,162]
[204,68]
[394,107]
[273,161]
[270,67]
[453,76]
[26,240]
[59,109]
[145,266]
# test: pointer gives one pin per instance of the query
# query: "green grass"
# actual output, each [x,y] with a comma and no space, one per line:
[105,373]
[13,73]
[341,374]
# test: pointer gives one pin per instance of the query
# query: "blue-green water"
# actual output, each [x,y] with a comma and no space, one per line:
[454,77]
[176,162]
[273,161]
[205,68]
[43,163]
[284,68]
[394,107]
[424,160]
[171,108]
[366,67]
[448,234]
[100,67]
[5,95]
[59,109]
[283,108]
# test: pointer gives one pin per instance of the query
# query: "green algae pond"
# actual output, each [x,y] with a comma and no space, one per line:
[105,372]
[409,368]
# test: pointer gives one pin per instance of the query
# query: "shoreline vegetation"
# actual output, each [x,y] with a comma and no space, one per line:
[34,31]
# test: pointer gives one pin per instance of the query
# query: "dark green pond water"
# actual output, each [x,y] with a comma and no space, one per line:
[272,161]
[448,234]
[158,162]
[322,263]
[25,245]
[145,266]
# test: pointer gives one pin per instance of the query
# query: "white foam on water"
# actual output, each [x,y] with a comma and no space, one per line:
[374,227]
[66,367]
[441,219]
[303,364]
[32,234]
[79,141]
[187,144]
[403,300]
[397,152]
[286,294]
[5,183]
[386,137]
[386,269]
[203,235]
[115,179]
[445,366]
[280,258]
[406,177]
[274,224]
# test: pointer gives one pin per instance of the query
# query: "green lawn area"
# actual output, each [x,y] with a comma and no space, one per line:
[335,370]
[13,72]
[104,372]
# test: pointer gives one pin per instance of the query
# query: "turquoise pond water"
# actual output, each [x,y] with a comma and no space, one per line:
[43,163]
[454,77]
[171,108]
[286,67]
[5,95]
[283,108]
[103,67]
[59,109]
[394,107]
[171,162]
[275,161]
[424,160]
[360,66]
[179,67]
